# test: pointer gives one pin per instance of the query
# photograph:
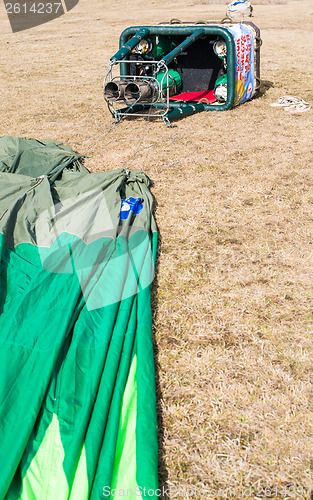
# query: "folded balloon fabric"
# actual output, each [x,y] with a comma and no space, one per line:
[77,380]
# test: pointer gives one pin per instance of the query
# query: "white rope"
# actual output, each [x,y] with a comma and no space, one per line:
[292,104]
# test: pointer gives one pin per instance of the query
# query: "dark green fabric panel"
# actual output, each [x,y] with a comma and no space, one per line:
[34,158]
[146,430]
[33,329]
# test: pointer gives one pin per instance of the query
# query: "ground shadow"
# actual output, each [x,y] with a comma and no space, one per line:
[163,472]
[265,85]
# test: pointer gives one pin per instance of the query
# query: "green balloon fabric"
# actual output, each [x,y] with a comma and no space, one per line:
[77,380]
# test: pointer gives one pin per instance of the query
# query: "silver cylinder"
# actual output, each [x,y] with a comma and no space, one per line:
[139,91]
[114,90]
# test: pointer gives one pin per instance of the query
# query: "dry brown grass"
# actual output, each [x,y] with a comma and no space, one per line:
[254,2]
[233,298]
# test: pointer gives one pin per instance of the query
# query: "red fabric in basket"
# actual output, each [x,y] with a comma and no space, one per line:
[195,96]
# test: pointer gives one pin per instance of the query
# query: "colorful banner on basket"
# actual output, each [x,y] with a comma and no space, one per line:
[244,50]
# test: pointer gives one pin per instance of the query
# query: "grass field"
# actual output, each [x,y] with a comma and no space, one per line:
[233,295]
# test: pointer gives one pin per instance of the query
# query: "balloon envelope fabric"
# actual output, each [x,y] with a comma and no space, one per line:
[77,379]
